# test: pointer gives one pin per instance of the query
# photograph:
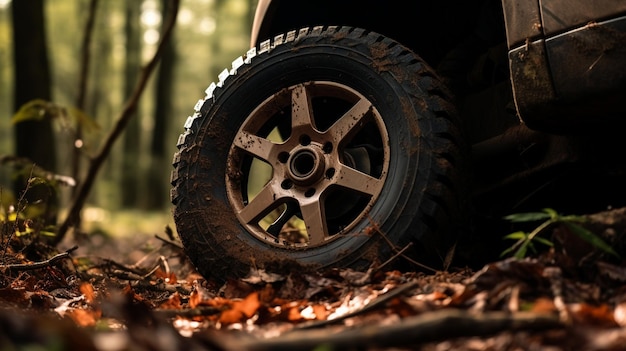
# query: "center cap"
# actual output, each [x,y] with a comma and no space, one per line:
[306,165]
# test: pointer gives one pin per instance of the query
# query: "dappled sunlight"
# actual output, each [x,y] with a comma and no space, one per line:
[122,223]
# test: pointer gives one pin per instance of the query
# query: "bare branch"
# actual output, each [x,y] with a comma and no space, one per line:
[38,265]
[430,326]
[82,79]
[73,217]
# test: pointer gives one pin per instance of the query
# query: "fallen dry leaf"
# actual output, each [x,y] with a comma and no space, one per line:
[241,310]
[84,317]
[173,303]
[87,290]
[597,315]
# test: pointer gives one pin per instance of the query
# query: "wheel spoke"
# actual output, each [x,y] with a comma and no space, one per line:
[257,146]
[301,111]
[259,206]
[290,210]
[350,178]
[350,121]
[315,220]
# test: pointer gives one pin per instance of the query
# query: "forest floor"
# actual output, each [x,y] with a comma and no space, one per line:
[139,292]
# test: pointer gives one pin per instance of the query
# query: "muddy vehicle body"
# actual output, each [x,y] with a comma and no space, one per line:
[346,135]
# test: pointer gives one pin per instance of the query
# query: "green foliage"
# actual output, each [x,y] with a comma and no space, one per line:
[32,213]
[38,109]
[21,218]
[525,241]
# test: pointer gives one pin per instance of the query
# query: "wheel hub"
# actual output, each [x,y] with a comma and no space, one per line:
[306,165]
[303,173]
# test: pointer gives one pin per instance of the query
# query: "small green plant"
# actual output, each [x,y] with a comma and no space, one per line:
[34,210]
[525,241]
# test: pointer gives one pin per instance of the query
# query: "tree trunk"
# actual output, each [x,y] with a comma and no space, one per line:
[34,139]
[101,102]
[131,147]
[158,177]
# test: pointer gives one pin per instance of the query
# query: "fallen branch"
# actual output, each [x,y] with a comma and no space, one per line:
[38,265]
[431,326]
[109,262]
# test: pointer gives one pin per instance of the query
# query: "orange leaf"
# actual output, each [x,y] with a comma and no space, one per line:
[84,318]
[129,291]
[87,290]
[294,314]
[195,298]
[173,303]
[241,310]
[601,315]
[320,312]
[543,305]
[250,304]
[218,302]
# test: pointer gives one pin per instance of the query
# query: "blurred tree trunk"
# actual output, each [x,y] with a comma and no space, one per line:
[34,139]
[131,146]
[103,93]
[83,79]
[158,176]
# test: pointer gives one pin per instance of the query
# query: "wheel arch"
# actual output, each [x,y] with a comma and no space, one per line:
[429,28]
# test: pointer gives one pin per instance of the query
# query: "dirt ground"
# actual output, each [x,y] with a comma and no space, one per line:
[141,293]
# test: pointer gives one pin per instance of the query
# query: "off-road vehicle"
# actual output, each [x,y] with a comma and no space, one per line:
[353,131]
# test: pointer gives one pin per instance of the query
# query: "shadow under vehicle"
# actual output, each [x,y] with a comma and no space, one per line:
[353,130]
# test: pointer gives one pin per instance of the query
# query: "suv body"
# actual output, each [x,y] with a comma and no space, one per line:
[567,58]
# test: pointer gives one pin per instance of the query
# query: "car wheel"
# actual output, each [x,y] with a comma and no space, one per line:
[326,147]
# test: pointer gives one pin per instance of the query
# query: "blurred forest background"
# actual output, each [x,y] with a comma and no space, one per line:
[42,52]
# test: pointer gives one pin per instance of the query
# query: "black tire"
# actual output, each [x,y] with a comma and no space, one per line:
[405,144]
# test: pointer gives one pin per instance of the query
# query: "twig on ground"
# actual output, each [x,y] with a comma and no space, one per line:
[556,286]
[380,300]
[125,275]
[159,286]
[166,266]
[395,256]
[143,282]
[133,269]
[151,272]
[187,313]
[377,229]
[169,242]
[38,265]
[366,278]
